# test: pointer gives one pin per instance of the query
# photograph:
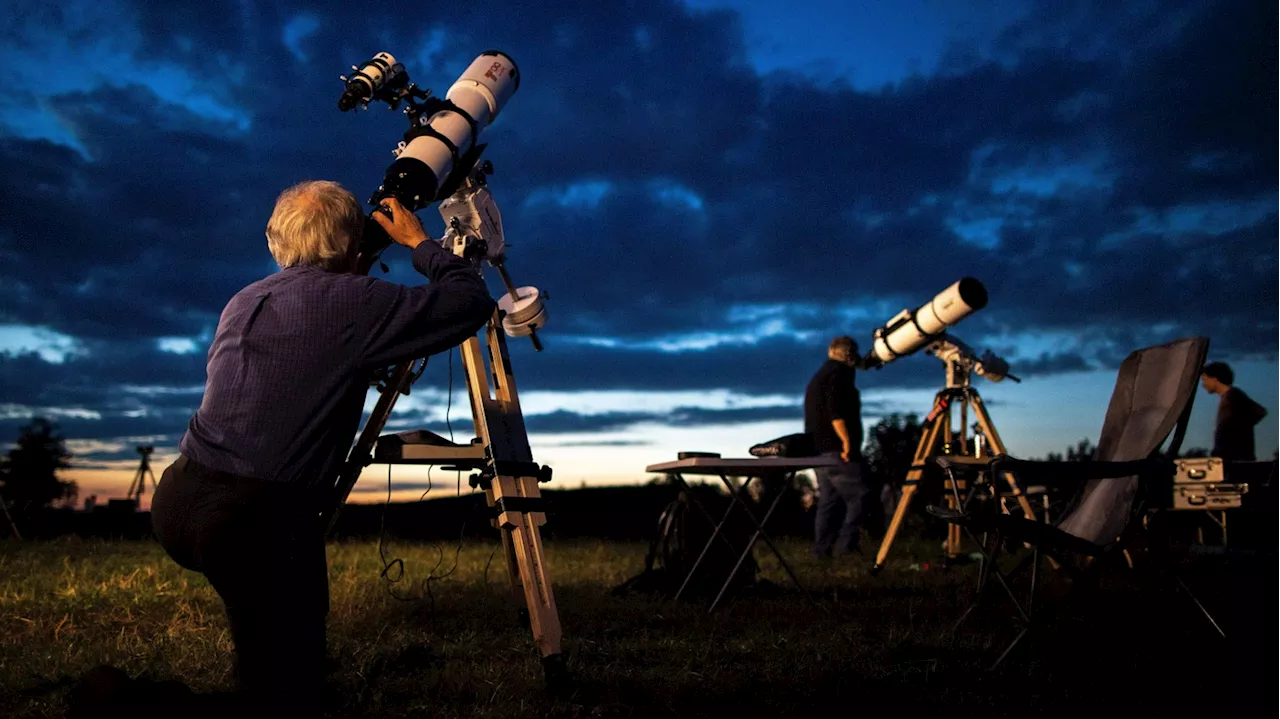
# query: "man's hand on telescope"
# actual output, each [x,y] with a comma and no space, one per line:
[403,227]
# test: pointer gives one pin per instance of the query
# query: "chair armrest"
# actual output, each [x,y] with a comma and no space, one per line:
[1046,472]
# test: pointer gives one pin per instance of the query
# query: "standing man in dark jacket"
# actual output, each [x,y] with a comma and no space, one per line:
[833,417]
[288,371]
[1237,414]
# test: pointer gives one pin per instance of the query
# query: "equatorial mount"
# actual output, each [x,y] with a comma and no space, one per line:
[475,233]
[961,360]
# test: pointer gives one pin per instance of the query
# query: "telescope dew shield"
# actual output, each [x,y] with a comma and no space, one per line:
[433,149]
[909,331]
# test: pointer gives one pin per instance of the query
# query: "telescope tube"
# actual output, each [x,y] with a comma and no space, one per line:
[909,331]
[434,147]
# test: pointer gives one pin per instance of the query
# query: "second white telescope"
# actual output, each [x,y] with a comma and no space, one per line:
[909,331]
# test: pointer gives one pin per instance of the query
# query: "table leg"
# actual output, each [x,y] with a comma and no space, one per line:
[716,532]
[761,534]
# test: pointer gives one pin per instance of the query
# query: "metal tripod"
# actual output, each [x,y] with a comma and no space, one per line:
[138,486]
[13,526]
[937,439]
[500,453]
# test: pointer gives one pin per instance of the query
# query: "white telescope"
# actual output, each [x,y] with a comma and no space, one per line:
[909,331]
[446,133]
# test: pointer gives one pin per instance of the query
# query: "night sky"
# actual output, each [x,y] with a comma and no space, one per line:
[707,191]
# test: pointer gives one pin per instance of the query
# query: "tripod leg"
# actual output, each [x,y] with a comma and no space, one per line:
[908,491]
[401,378]
[12,525]
[997,447]
[527,564]
[500,426]
[512,562]
[928,440]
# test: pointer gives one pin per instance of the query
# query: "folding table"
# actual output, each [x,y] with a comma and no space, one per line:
[750,468]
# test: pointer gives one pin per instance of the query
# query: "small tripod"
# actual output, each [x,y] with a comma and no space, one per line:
[139,485]
[500,453]
[938,437]
[13,526]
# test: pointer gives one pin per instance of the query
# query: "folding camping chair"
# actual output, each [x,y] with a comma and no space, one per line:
[1153,396]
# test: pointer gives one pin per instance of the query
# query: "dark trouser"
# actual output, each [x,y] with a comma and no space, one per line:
[261,546]
[843,494]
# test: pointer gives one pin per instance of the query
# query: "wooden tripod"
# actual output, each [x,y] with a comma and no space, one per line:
[937,439]
[506,470]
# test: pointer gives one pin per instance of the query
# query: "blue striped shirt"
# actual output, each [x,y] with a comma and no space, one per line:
[294,354]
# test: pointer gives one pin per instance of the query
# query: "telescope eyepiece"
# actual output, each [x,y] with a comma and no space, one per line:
[348,100]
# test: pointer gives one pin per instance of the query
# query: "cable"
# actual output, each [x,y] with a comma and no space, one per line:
[428,482]
[396,562]
[432,576]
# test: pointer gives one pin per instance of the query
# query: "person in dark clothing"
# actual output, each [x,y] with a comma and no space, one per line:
[833,417]
[1237,414]
[288,370]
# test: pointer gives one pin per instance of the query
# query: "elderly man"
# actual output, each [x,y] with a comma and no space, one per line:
[288,371]
[833,417]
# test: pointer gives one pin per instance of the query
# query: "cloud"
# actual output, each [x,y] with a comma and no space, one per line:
[696,225]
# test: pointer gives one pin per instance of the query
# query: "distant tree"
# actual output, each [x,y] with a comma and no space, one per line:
[29,473]
[1083,451]
[889,449]
[891,446]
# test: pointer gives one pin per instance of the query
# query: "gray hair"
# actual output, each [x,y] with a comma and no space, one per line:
[315,223]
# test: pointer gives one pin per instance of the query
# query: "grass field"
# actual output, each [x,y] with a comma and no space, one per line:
[868,644]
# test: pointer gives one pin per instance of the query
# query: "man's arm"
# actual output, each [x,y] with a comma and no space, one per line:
[1253,411]
[1241,410]
[842,430]
[837,408]
[406,323]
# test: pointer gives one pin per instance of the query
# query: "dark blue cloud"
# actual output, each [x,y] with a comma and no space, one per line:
[1108,172]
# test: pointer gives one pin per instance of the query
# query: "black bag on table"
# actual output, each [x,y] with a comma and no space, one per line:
[792,445]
